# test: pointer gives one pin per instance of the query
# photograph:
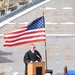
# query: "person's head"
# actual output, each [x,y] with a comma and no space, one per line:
[32,46]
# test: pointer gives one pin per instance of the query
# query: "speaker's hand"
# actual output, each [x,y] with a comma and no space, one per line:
[36,61]
[31,61]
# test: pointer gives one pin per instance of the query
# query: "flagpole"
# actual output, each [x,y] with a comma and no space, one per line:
[46,55]
[45,47]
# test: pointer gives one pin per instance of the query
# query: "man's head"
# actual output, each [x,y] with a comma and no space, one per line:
[32,47]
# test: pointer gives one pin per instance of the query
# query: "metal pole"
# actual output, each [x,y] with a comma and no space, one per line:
[46,55]
[45,47]
[45,41]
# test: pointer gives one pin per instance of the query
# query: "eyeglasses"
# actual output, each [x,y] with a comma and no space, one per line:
[33,47]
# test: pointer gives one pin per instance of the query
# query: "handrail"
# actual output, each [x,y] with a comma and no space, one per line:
[18,10]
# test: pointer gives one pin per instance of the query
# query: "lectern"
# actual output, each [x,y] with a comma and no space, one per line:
[36,68]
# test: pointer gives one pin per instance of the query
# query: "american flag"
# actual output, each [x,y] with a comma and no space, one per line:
[33,33]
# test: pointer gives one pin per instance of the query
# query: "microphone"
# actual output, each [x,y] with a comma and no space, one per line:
[39,57]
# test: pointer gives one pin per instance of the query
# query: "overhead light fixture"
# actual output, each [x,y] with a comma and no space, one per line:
[68,23]
[67,8]
[49,8]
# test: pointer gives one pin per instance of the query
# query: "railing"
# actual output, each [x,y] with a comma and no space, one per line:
[18,10]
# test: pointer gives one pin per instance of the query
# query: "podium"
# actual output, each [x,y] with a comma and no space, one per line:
[36,68]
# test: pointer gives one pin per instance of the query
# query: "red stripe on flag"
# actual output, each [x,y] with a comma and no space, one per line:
[22,43]
[18,30]
[8,36]
[23,38]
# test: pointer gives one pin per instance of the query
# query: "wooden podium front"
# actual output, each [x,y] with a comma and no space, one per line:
[36,68]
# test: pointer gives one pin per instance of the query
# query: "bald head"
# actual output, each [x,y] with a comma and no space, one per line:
[32,47]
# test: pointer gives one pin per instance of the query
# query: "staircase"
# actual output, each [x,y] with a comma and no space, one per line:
[21,11]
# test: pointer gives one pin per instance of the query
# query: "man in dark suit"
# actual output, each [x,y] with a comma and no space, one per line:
[31,56]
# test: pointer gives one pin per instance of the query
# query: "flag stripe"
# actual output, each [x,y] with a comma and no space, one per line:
[18,30]
[26,36]
[24,43]
[26,40]
[24,33]
[14,40]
